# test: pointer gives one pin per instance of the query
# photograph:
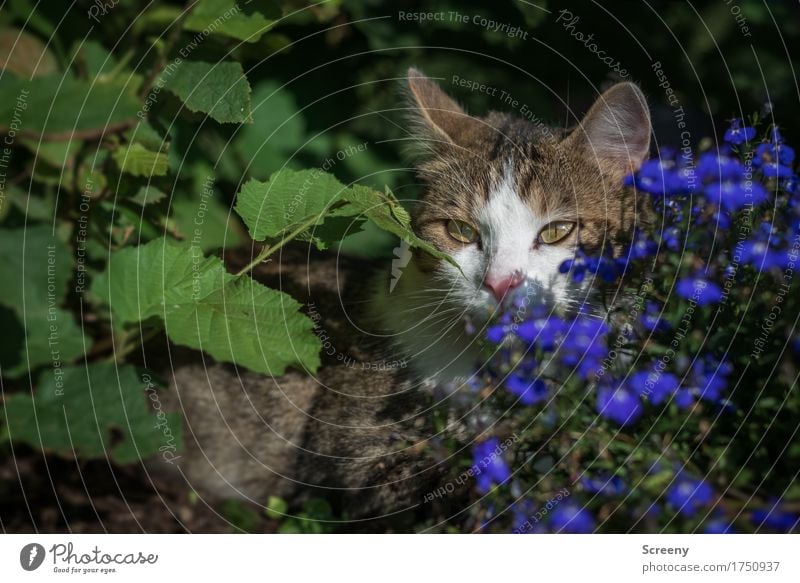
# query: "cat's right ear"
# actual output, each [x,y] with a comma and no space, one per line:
[615,132]
[437,117]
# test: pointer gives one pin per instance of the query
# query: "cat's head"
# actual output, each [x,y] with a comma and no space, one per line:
[510,199]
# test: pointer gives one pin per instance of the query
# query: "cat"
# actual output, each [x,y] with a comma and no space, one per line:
[509,201]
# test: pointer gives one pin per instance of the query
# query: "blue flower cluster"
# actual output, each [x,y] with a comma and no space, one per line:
[732,209]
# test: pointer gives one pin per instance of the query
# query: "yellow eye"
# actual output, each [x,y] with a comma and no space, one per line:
[461,231]
[555,232]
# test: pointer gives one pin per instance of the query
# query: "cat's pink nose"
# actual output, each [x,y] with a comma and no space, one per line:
[500,286]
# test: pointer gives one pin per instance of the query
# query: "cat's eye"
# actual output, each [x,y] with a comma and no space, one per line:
[555,232]
[461,231]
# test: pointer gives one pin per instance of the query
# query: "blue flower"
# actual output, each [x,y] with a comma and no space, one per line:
[619,404]
[718,525]
[791,185]
[529,392]
[672,238]
[603,484]
[497,333]
[665,176]
[571,518]
[688,494]
[489,465]
[738,134]
[655,386]
[733,195]
[708,379]
[773,153]
[581,265]
[642,247]
[717,167]
[543,331]
[584,345]
[775,518]
[651,318]
[700,290]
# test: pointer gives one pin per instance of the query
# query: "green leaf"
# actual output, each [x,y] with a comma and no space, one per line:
[94,58]
[148,195]
[24,55]
[277,133]
[145,134]
[218,89]
[36,267]
[205,221]
[58,154]
[75,409]
[226,18]
[63,105]
[137,160]
[234,319]
[385,211]
[288,200]
[291,200]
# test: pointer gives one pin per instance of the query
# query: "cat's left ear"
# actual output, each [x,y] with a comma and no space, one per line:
[615,132]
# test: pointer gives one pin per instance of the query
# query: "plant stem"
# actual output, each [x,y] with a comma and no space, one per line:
[270,249]
[128,346]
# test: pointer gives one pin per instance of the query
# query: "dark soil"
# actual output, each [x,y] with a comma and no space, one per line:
[46,494]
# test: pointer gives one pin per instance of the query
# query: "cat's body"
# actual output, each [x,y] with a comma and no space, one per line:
[509,201]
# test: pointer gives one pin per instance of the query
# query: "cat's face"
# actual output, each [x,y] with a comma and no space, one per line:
[510,201]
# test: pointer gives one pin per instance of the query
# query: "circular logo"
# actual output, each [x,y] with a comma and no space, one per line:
[31,556]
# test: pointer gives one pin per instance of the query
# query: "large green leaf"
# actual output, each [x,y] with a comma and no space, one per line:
[233,318]
[36,267]
[63,105]
[218,89]
[74,411]
[287,200]
[226,18]
[290,200]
